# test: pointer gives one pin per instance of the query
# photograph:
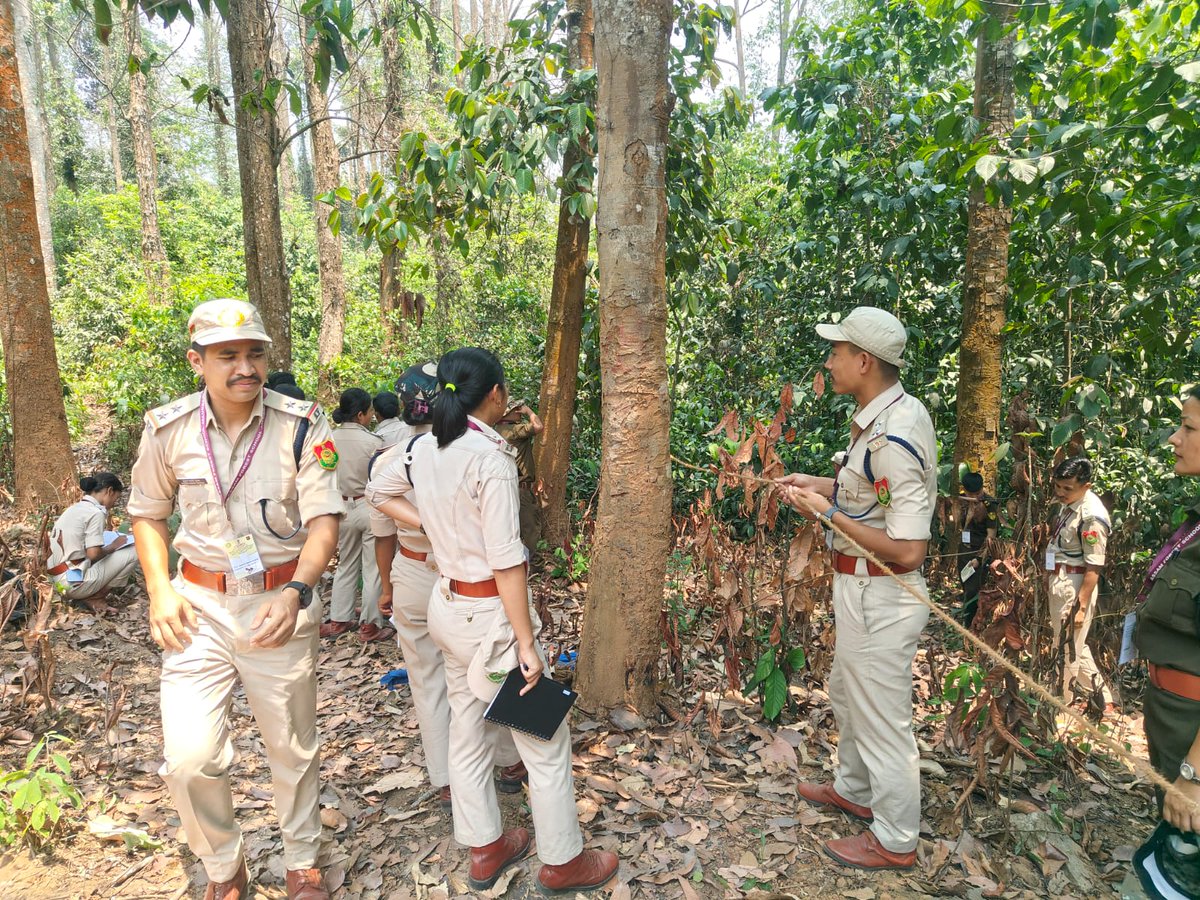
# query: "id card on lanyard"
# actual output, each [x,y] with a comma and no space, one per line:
[1058,527]
[244,558]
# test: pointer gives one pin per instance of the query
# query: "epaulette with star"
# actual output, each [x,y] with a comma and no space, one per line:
[303,409]
[173,411]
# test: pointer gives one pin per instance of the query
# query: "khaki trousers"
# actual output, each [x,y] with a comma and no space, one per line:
[356,556]
[112,571]
[870,686]
[281,686]
[459,626]
[1064,588]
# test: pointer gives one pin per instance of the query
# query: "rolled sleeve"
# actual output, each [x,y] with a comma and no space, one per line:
[382,525]
[1095,541]
[389,479]
[500,509]
[317,486]
[152,481]
[909,513]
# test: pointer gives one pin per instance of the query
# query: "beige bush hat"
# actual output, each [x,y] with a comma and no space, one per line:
[218,321]
[875,330]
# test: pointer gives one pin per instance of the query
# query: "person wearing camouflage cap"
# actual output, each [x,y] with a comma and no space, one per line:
[254,475]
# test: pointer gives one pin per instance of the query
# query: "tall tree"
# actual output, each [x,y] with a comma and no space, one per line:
[111,123]
[43,463]
[249,36]
[145,163]
[620,645]
[329,246]
[985,285]
[279,71]
[29,60]
[564,325]
[212,59]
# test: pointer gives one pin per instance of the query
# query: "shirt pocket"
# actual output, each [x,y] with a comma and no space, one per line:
[198,506]
[1172,600]
[273,509]
[855,495]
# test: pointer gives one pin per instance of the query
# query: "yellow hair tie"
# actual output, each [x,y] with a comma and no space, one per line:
[450,386]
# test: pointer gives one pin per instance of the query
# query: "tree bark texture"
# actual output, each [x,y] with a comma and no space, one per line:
[283,117]
[985,285]
[212,56]
[739,42]
[42,460]
[258,156]
[391,126]
[29,61]
[564,325]
[145,162]
[618,658]
[456,27]
[329,247]
[111,123]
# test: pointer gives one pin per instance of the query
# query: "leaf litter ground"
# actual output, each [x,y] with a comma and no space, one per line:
[703,806]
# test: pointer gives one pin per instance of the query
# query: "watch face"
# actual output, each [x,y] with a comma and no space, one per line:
[1186,770]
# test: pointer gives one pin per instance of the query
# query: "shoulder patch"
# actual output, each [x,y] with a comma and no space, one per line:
[304,409]
[326,454]
[878,444]
[170,412]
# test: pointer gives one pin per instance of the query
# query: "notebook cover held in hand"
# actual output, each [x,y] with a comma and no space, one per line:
[537,714]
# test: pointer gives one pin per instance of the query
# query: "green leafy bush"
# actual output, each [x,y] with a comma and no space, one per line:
[33,800]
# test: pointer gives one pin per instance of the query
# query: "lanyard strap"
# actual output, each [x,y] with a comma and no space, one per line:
[223,495]
[1177,544]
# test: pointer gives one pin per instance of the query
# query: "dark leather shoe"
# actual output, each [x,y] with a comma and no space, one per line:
[236,889]
[306,884]
[864,851]
[590,869]
[444,798]
[511,778]
[825,795]
[369,631]
[333,628]
[489,861]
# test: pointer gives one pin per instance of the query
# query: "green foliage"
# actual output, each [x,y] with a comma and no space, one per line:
[33,799]
[572,563]
[771,675]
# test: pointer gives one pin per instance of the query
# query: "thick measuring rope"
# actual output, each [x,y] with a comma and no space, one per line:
[1138,765]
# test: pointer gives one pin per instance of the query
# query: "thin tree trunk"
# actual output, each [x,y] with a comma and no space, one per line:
[283,116]
[29,62]
[42,461]
[212,56]
[433,46]
[456,27]
[329,246]
[391,282]
[564,325]
[474,19]
[258,158]
[785,25]
[145,162]
[740,44]
[985,285]
[618,658]
[110,117]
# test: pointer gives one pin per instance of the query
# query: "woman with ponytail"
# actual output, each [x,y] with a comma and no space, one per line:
[86,561]
[356,546]
[460,487]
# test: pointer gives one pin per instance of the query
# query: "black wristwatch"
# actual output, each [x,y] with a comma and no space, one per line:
[303,590]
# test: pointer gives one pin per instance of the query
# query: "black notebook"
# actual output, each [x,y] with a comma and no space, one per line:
[537,714]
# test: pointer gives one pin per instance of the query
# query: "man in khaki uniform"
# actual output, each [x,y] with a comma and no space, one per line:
[254,476]
[1075,558]
[883,497]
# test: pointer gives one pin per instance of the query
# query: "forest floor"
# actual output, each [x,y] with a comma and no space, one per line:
[704,807]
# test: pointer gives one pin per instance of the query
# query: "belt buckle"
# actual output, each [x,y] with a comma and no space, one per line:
[243,587]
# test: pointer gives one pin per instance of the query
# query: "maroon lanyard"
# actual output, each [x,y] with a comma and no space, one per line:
[223,495]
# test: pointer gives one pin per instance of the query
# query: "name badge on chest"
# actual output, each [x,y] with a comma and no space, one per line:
[244,560]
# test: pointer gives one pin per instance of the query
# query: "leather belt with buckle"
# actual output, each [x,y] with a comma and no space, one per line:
[477,590]
[419,557]
[224,583]
[1175,681]
[848,565]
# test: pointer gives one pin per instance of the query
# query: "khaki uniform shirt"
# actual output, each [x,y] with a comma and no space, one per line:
[391,431]
[383,482]
[1080,533]
[355,445]
[79,527]
[172,461]
[467,496]
[888,479]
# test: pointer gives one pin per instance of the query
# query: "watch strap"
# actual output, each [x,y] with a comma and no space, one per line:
[303,590]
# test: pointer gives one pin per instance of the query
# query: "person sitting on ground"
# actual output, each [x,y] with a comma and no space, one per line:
[85,560]
[519,427]
[356,545]
[980,517]
[388,426]
[1075,559]
[285,383]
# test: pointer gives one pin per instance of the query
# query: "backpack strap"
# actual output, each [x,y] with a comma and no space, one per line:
[408,456]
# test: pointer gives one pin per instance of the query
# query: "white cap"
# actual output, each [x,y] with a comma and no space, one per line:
[875,330]
[218,321]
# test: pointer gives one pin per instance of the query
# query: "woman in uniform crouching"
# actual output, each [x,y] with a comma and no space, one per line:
[463,479]
[86,560]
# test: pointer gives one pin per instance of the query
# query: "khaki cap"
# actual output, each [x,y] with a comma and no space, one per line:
[218,321]
[875,330]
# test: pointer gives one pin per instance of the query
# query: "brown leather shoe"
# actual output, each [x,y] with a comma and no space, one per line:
[590,869]
[825,795]
[489,861]
[511,778]
[369,631]
[864,851]
[236,889]
[333,628]
[306,884]
[444,798]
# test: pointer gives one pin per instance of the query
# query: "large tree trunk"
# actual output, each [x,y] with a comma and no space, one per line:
[212,57]
[42,461]
[145,162]
[29,61]
[618,658]
[560,372]
[985,286]
[258,157]
[329,246]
